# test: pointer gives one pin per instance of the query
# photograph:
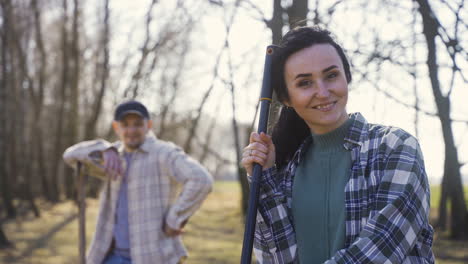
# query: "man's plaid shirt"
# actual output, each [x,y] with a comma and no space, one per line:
[386,201]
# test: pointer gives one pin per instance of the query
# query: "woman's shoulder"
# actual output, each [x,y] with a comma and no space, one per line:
[362,130]
[388,132]
[390,137]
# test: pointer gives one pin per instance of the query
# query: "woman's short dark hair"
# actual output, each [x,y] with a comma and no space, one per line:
[291,130]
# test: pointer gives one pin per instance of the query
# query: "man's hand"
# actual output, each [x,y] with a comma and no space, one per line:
[174,232]
[112,163]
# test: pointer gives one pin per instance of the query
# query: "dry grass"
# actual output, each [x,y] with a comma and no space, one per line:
[213,235]
[447,251]
[52,238]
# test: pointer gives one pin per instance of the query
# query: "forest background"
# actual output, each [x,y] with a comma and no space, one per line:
[197,65]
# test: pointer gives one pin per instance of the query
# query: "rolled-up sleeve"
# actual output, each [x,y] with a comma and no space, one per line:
[89,154]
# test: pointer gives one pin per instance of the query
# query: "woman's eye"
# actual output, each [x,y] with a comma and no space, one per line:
[332,75]
[304,83]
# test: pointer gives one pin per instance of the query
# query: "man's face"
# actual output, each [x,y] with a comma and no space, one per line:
[132,130]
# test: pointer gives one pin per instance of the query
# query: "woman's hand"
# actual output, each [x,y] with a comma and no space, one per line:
[261,150]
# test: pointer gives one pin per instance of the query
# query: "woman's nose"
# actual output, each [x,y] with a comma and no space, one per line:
[322,90]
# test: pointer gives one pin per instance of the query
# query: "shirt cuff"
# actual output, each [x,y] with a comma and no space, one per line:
[268,183]
[173,221]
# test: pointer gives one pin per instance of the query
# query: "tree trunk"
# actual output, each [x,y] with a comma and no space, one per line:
[452,177]
[297,16]
[38,106]
[276,23]
[60,110]
[103,68]
[240,171]
[209,137]
[297,13]
[276,26]
[4,243]
[73,114]
[19,78]
[25,152]
[442,221]
[5,83]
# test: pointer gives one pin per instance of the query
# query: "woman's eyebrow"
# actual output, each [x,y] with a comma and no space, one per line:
[329,68]
[300,75]
[303,75]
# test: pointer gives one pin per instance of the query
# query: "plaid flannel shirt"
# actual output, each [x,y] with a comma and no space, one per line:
[386,202]
[165,186]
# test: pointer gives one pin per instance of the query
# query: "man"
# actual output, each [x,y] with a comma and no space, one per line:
[142,210]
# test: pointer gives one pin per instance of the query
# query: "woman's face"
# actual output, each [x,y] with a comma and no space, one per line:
[317,87]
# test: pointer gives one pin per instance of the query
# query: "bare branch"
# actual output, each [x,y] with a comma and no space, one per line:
[212,152]
[262,17]
[209,134]
[194,125]
[407,105]
[216,2]
[144,53]
[456,47]
[215,76]
[333,6]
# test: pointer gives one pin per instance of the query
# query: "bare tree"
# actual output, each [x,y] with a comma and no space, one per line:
[4,99]
[20,84]
[452,187]
[438,43]
[296,14]
[169,91]
[37,98]
[62,90]
[72,120]
[43,112]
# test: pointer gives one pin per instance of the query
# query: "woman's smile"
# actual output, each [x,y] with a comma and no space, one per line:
[325,107]
[317,87]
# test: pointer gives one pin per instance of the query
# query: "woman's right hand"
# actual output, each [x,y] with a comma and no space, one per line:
[260,150]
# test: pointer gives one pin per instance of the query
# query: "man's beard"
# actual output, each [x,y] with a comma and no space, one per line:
[133,146]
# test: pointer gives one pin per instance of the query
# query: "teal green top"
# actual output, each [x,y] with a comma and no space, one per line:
[318,198]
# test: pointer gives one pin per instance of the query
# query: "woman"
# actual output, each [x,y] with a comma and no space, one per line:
[334,189]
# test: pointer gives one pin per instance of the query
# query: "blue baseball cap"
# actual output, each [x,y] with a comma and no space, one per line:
[130,107]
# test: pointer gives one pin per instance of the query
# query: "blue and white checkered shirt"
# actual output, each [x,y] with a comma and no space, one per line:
[165,187]
[386,202]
